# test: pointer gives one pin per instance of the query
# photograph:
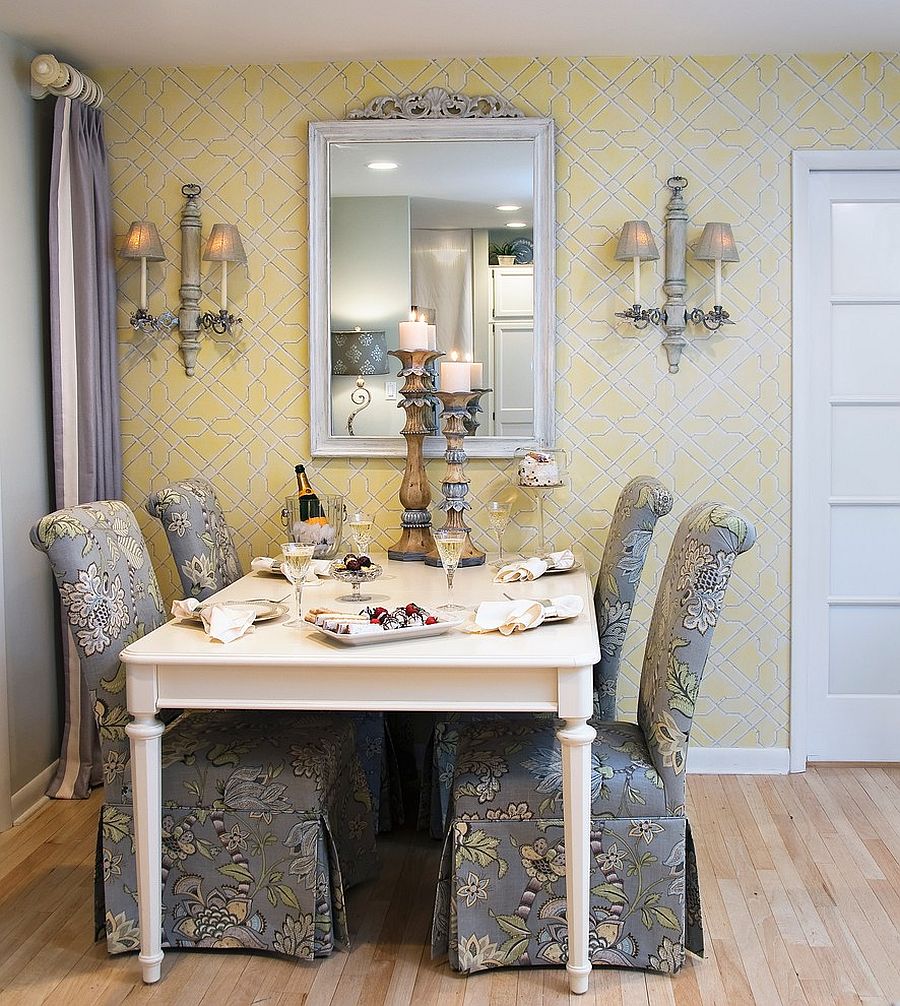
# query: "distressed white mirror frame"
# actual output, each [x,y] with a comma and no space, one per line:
[322,135]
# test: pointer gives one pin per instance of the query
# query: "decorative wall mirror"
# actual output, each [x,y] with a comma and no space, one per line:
[409,218]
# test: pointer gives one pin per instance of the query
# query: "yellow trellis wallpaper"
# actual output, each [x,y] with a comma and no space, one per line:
[721,427]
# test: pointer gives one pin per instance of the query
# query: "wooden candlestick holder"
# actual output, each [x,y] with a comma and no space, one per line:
[455,485]
[472,410]
[415,494]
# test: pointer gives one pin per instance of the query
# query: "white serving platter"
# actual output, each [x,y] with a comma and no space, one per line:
[389,635]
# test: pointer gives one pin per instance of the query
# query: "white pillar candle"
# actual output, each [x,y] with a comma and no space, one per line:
[413,335]
[476,375]
[456,375]
[718,299]
[224,304]
[432,337]
[637,279]
[143,303]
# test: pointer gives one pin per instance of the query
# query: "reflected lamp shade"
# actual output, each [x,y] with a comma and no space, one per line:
[224,244]
[636,241]
[358,353]
[142,241]
[716,244]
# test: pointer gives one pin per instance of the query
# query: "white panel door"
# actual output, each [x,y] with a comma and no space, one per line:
[513,291]
[513,379]
[851,465]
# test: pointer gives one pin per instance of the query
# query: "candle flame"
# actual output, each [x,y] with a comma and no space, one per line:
[468,357]
[454,355]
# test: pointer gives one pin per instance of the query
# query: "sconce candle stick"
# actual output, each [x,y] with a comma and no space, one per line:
[415,493]
[455,485]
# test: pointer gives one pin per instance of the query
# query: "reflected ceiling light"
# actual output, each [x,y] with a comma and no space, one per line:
[382,165]
[516,224]
[508,208]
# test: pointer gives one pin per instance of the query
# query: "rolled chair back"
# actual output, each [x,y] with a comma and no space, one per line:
[199,536]
[110,598]
[641,503]
[690,599]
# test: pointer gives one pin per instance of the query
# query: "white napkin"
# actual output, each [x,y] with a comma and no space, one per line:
[517,616]
[521,569]
[318,568]
[561,560]
[223,623]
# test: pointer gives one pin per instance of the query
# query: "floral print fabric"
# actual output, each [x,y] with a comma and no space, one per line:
[259,809]
[640,505]
[501,896]
[199,536]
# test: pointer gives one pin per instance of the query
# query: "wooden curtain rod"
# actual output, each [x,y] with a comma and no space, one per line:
[50,76]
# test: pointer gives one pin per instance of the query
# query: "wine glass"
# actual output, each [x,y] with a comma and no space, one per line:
[361,529]
[295,560]
[498,516]
[449,543]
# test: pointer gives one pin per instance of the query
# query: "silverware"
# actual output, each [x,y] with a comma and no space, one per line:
[264,600]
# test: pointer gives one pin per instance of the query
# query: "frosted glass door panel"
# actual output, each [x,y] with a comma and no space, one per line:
[865,252]
[865,551]
[865,349]
[865,450]
[864,645]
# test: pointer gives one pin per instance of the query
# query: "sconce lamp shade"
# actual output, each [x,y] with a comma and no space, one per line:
[224,244]
[142,241]
[716,244]
[358,353]
[636,241]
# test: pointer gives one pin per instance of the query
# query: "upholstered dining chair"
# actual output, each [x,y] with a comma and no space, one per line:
[199,536]
[501,895]
[266,817]
[640,505]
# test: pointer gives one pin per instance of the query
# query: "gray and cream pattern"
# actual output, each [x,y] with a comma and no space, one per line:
[640,505]
[501,894]
[266,816]
[198,534]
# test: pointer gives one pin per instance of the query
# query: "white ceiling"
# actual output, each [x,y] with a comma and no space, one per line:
[104,33]
[450,184]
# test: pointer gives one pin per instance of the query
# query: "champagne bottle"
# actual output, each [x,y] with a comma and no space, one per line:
[307,501]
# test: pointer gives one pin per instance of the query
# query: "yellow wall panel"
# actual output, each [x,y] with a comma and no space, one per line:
[721,427]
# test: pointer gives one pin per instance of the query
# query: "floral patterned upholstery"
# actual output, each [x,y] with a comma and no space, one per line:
[641,503]
[260,810]
[501,892]
[199,536]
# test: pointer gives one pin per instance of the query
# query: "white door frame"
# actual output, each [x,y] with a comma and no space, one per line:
[804,163]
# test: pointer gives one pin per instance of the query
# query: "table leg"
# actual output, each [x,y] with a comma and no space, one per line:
[575,736]
[146,777]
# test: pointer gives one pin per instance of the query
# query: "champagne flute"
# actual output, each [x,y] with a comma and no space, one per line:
[295,560]
[449,543]
[361,529]
[498,516]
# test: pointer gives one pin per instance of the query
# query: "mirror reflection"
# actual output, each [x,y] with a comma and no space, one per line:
[438,232]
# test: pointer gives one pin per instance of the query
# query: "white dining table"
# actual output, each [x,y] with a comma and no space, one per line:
[276,666]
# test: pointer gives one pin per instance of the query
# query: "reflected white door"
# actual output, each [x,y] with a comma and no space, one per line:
[513,378]
[850,478]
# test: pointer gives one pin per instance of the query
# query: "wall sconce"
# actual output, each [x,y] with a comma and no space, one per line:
[142,242]
[361,354]
[716,245]
[637,245]
[223,245]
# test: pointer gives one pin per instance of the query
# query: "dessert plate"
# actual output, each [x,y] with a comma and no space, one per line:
[389,635]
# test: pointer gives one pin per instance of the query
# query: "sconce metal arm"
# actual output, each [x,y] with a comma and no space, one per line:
[220,322]
[710,320]
[641,317]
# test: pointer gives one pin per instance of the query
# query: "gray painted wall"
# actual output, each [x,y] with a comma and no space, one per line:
[27,591]
[370,287]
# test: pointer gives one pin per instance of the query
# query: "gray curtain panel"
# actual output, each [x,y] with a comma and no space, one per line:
[85,376]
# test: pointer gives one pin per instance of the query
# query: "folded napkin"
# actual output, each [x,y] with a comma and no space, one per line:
[318,568]
[517,616]
[223,623]
[531,569]
[560,560]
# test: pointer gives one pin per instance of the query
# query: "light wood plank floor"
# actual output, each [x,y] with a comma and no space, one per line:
[800,877]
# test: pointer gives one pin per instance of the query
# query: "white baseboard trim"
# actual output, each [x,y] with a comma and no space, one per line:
[739,761]
[33,795]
